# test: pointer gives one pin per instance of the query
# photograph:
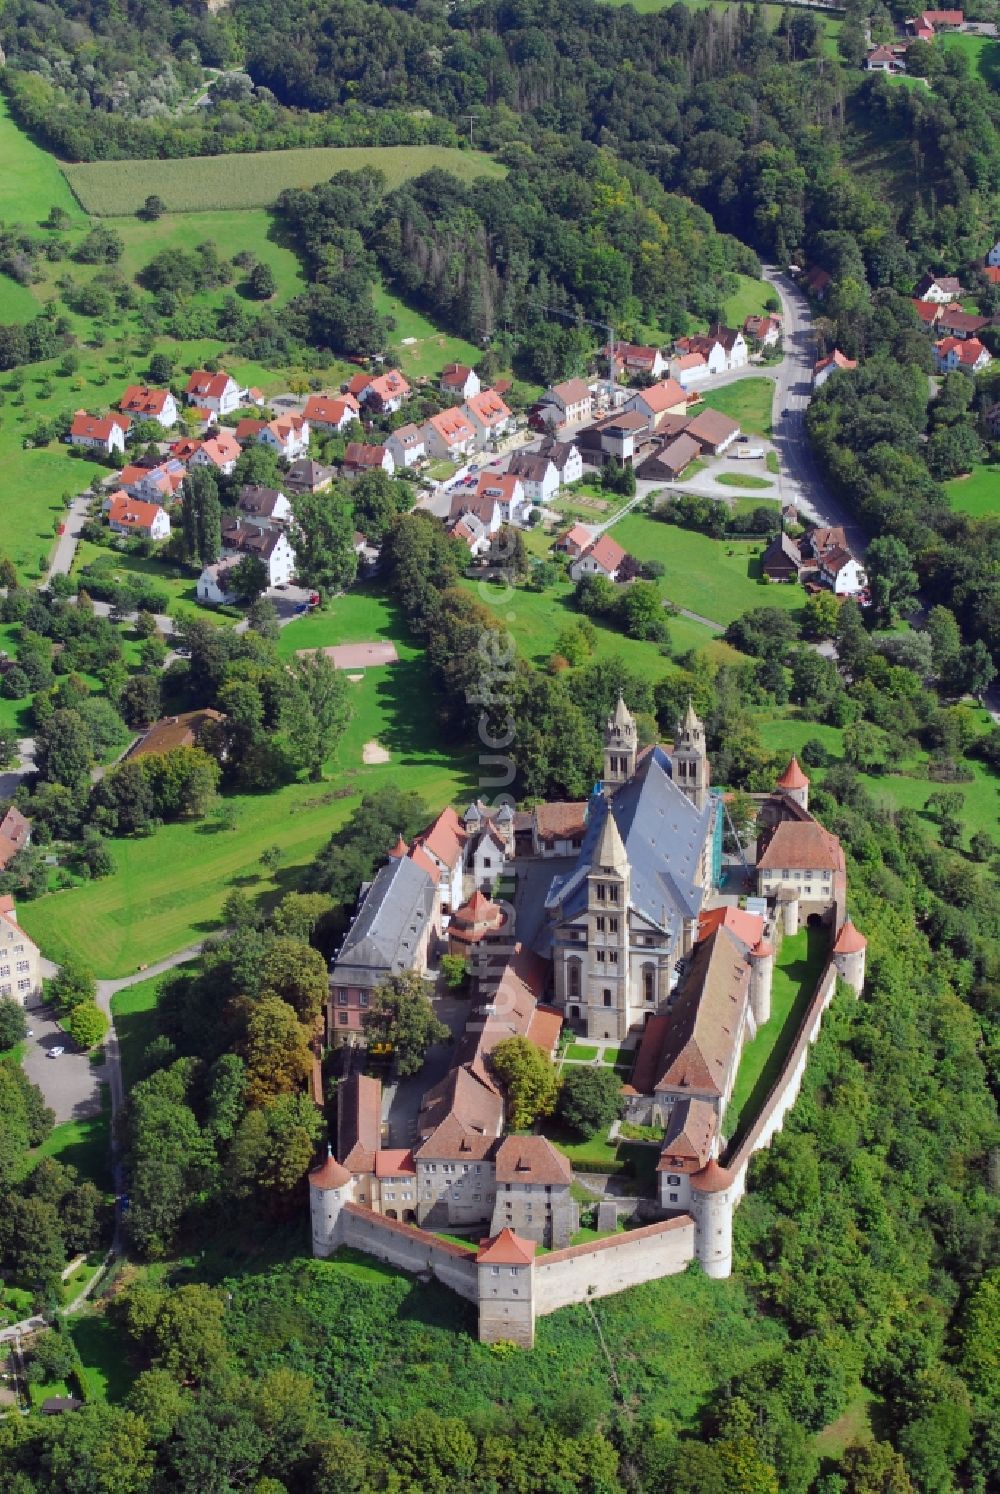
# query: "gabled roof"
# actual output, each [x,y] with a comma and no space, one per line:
[802,844]
[384,936]
[928,311]
[388,386]
[607,552]
[394,1162]
[506,1249]
[207,385]
[132,512]
[687,1144]
[444,838]
[836,359]
[662,396]
[689,360]
[328,409]
[221,448]
[357,454]
[707,1019]
[559,820]
[503,487]
[781,547]
[571,391]
[488,407]
[359,1121]
[455,375]
[747,927]
[140,399]
[711,427]
[453,426]
[531,1159]
[97,427]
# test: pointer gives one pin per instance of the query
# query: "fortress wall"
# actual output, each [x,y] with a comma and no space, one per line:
[603,1267]
[410,1248]
[786,1087]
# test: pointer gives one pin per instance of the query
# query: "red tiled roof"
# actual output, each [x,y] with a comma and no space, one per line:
[850,940]
[452,426]
[793,776]
[802,844]
[394,1163]
[506,1249]
[607,552]
[531,1159]
[503,487]
[663,396]
[325,409]
[330,1175]
[208,385]
[712,1178]
[358,454]
[97,427]
[132,512]
[445,838]
[558,820]
[748,927]
[140,399]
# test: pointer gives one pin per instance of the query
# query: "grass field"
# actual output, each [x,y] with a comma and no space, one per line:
[30,180]
[168,889]
[718,579]
[105,1367]
[423,350]
[198,183]
[133,1010]
[748,300]
[748,400]
[982,53]
[83,1144]
[173,578]
[796,970]
[978,494]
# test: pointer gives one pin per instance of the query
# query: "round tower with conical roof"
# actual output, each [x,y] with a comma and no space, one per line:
[795,783]
[849,955]
[761,978]
[713,1198]
[690,759]
[621,746]
[330,1187]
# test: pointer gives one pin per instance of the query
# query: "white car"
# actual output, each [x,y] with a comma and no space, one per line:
[56,1052]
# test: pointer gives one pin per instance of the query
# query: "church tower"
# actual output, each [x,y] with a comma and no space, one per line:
[690,759]
[607,975]
[620,746]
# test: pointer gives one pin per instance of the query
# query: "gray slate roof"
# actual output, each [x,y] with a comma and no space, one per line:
[384,936]
[663,835]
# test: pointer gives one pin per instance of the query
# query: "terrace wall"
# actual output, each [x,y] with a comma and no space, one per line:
[614,1264]
[410,1248]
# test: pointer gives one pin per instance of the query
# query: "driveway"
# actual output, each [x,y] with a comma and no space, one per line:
[75,519]
[71,1084]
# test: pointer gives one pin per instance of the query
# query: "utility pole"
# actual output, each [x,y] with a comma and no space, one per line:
[472,119]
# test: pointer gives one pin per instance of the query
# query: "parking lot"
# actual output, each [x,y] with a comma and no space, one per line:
[70,1083]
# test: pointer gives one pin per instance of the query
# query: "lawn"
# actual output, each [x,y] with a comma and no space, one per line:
[535,618]
[83,1144]
[796,970]
[748,401]
[977,494]
[31,182]
[134,1011]
[743,480]
[254,179]
[177,580]
[747,300]
[168,889]
[105,1368]
[982,53]
[581,1052]
[422,348]
[718,579]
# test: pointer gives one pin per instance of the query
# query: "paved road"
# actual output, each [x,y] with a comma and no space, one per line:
[76,517]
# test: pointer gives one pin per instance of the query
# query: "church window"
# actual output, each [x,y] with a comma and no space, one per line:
[612,894]
[602,892]
[648,982]
[613,925]
[607,998]
[613,956]
[600,922]
[600,956]
[573,971]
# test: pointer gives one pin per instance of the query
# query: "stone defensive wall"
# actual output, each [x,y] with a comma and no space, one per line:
[784,1092]
[602,1267]
[411,1249]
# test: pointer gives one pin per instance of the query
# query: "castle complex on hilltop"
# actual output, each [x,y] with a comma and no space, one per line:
[629,940]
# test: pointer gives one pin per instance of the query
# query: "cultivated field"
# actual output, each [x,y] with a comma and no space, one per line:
[208,183]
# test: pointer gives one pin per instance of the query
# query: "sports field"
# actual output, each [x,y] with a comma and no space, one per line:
[208,183]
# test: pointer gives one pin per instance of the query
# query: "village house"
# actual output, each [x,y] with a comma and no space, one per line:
[359,458]
[537,475]
[218,392]
[307,476]
[826,553]
[473,533]
[131,516]
[171,732]
[657,402]
[221,452]
[215,586]
[288,436]
[450,434]
[268,505]
[603,557]
[574,541]
[825,368]
[967,354]
[271,546]
[15,834]
[460,381]
[565,457]
[939,288]
[330,414]
[763,331]
[723,348]
[993,256]
[928,312]
[558,828]
[385,393]
[508,493]
[802,860]
[636,362]
[568,403]
[689,369]
[782,560]
[954,322]
[20,958]
[484,508]
[157,482]
[621,438]
[99,432]
[925,26]
[886,59]
[406,446]
[489,415]
[144,403]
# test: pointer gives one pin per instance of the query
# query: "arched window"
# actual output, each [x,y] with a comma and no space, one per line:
[648,983]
